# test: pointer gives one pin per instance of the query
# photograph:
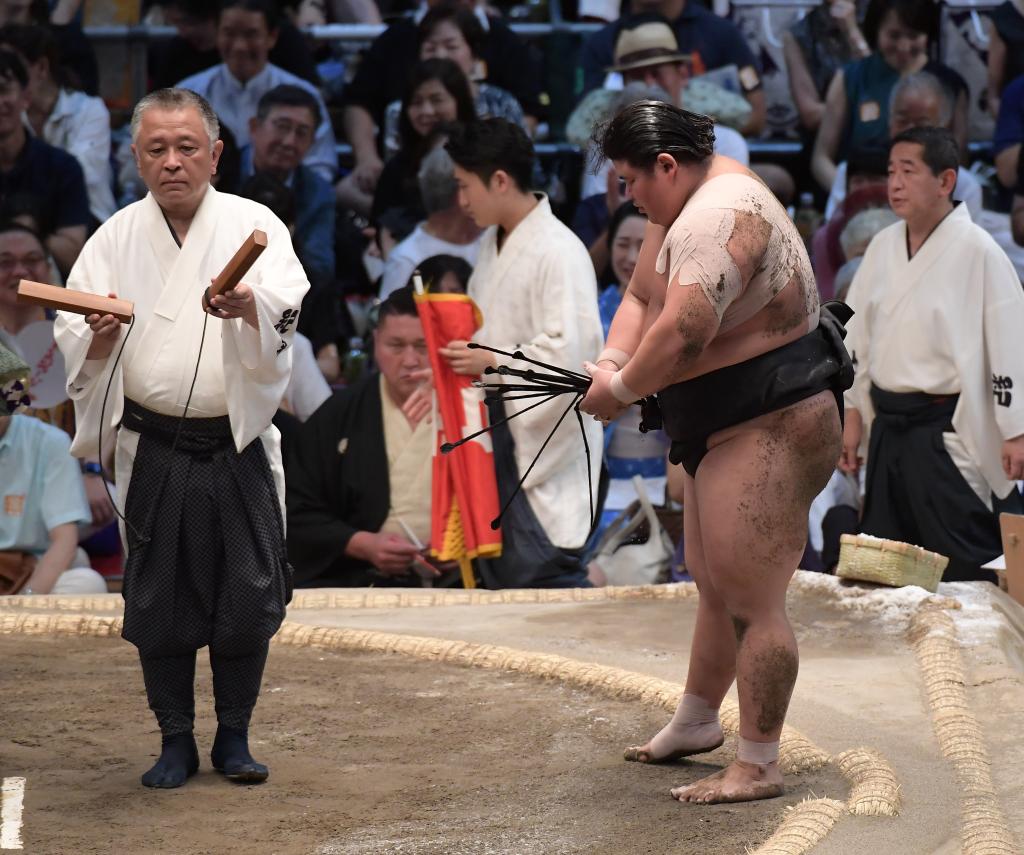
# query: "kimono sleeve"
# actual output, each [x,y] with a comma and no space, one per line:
[858,335]
[1004,320]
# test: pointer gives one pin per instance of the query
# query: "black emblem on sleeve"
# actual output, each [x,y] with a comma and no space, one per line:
[281,347]
[1001,387]
[287,319]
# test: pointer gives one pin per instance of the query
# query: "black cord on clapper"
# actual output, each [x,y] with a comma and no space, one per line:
[129,528]
[543,386]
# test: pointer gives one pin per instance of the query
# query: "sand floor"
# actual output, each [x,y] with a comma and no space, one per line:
[374,753]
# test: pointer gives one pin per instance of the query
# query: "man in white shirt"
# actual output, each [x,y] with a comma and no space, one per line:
[190,398]
[937,347]
[246,31]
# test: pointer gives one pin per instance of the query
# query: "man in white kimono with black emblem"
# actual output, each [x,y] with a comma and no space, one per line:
[534,283]
[939,356]
[190,396]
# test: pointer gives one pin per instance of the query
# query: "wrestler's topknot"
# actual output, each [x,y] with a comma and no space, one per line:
[642,131]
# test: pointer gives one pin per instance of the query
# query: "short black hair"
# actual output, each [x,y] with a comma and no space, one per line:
[270,191]
[485,146]
[872,162]
[269,9]
[288,95]
[450,76]
[468,24]
[398,302]
[8,226]
[434,269]
[198,10]
[645,129]
[12,68]
[939,150]
[921,16]
[31,41]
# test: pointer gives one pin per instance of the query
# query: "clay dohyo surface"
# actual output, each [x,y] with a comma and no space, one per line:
[368,754]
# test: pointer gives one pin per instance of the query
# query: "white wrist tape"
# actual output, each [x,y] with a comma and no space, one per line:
[623,394]
[617,357]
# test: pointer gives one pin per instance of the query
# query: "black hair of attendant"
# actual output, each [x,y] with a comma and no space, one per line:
[12,68]
[454,82]
[270,191]
[466,22]
[229,167]
[921,16]
[622,213]
[485,146]
[269,9]
[287,95]
[645,129]
[435,268]
[939,150]
[399,302]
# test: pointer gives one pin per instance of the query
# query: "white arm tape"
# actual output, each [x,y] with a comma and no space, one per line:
[623,394]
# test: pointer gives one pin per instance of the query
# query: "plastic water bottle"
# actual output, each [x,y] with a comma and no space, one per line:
[807,218]
[355,361]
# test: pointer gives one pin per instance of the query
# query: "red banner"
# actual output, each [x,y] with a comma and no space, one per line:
[465,491]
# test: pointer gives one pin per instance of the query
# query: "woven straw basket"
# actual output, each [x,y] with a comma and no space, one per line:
[889,562]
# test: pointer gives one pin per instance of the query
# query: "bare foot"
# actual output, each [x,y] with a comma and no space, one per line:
[737,782]
[675,741]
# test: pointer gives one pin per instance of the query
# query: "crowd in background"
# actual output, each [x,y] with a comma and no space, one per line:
[351,156]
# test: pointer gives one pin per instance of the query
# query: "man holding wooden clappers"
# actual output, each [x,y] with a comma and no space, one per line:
[190,397]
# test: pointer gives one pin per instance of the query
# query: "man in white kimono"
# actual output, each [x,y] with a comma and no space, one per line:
[190,397]
[535,285]
[937,343]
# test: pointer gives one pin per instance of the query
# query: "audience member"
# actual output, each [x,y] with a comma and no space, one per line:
[384,71]
[815,48]
[64,116]
[438,94]
[282,132]
[445,274]
[43,505]
[854,239]
[449,32]
[1009,133]
[1005,49]
[194,48]
[29,165]
[361,470]
[856,117]
[447,230]
[246,31]
[62,18]
[919,100]
[312,13]
[936,342]
[625,236]
[710,41]
[535,286]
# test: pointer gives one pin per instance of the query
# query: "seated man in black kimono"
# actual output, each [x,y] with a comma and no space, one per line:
[359,479]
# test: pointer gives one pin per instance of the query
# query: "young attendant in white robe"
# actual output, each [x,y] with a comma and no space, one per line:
[538,294]
[944,322]
[243,373]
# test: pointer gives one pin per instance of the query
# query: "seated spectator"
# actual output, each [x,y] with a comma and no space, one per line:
[449,32]
[29,165]
[815,48]
[313,13]
[854,240]
[194,48]
[361,470]
[62,19]
[710,41]
[1009,133]
[282,132]
[246,31]
[919,100]
[22,256]
[445,274]
[447,230]
[64,116]
[384,71]
[44,503]
[438,94]
[856,117]
[1005,49]
[625,236]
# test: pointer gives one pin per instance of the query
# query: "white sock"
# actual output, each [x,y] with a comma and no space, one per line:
[758,753]
[694,725]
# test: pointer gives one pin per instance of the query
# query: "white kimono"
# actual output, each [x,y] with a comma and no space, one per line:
[539,295]
[243,372]
[949,320]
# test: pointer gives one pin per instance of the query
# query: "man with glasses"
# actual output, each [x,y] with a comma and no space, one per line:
[282,133]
